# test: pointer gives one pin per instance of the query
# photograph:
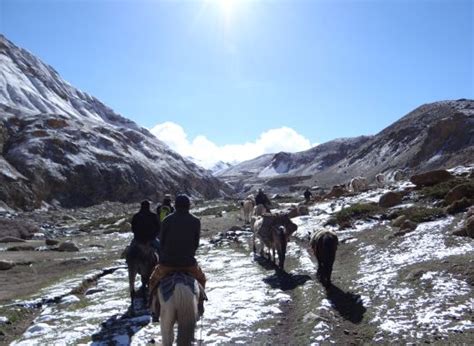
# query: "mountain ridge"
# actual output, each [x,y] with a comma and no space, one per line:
[61,145]
[434,135]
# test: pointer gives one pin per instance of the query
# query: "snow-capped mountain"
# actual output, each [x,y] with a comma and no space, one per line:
[58,143]
[436,135]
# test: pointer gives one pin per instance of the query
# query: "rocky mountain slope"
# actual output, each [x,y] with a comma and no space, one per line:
[436,135]
[61,145]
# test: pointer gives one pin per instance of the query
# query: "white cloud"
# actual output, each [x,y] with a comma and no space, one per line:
[208,153]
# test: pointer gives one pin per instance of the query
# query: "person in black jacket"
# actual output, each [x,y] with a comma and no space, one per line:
[179,240]
[145,226]
[307,195]
[262,198]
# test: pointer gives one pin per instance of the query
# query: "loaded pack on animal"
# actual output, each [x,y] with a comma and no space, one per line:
[273,231]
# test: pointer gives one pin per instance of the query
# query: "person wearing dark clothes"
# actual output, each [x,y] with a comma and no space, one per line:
[307,195]
[262,198]
[164,209]
[145,225]
[179,239]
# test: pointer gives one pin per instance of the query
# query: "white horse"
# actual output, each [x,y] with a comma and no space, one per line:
[380,180]
[359,184]
[247,208]
[182,307]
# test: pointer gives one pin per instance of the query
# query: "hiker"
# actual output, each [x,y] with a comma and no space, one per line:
[145,226]
[164,209]
[262,199]
[179,239]
[307,195]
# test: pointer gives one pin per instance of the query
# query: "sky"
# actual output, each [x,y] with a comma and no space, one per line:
[233,79]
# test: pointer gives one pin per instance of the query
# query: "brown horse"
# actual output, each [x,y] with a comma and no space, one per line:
[324,244]
[274,231]
[141,258]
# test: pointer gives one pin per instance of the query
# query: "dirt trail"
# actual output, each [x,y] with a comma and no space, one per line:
[411,288]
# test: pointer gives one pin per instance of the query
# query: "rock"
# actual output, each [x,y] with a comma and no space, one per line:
[303,210]
[408,225]
[17,228]
[459,206]
[431,177]
[390,199]
[462,232]
[459,192]
[92,291]
[51,242]
[470,226]
[4,320]
[470,212]
[234,229]
[11,240]
[5,265]
[21,248]
[399,220]
[293,212]
[337,191]
[68,247]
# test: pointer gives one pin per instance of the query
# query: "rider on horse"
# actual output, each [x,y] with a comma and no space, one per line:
[145,226]
[179,238]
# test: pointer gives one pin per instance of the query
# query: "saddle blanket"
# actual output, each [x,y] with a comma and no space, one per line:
[168,283]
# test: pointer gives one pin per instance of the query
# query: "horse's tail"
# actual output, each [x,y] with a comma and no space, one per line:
[186,304]
[282,240]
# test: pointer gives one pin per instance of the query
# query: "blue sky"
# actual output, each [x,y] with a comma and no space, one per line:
[231,70]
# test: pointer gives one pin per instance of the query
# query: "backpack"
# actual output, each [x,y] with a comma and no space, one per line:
[164,212]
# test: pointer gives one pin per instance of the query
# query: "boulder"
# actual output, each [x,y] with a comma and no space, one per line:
[337,191]
[5,265]
[470,226]
[459,192]
[399,221]
[21,248]
[470,211]
[11,240]
[293,212]
[431,178]
[17,228]
[51,242]
[459,206]
[303,210]
[408,225]
[68,247]
[462,232]
[390,199]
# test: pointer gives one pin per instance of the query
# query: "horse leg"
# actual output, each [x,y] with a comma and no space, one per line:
[131,280]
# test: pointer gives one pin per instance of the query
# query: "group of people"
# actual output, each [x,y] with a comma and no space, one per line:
[175,233]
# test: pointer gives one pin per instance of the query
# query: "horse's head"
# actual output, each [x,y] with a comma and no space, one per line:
[289,225]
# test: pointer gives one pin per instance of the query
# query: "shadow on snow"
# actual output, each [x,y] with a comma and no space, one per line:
[119,329]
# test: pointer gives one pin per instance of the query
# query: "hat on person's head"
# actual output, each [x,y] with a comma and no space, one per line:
[167,197]
[182,202]
[145,204]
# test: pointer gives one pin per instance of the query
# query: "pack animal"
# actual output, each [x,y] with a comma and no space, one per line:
[141,258]
[273,231]
[380,180]
[248,208]
[324,245]
[359,184]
